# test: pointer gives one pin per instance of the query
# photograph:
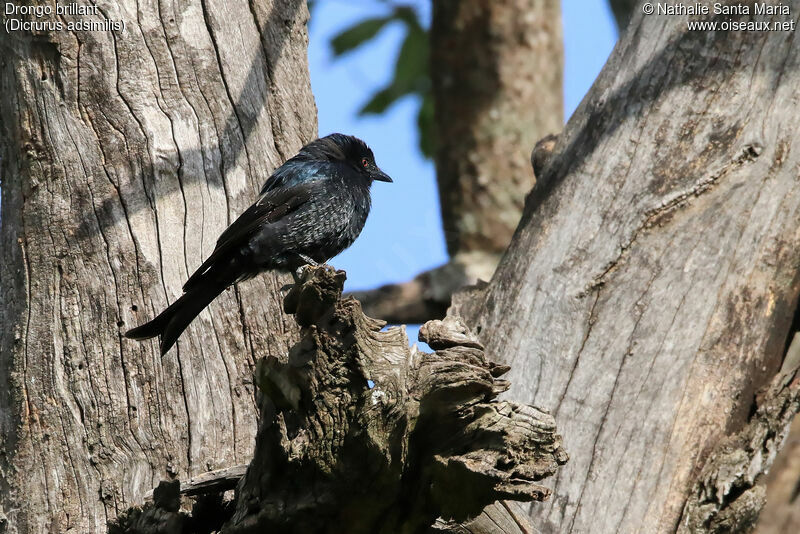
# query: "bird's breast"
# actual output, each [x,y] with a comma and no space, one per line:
[332,222]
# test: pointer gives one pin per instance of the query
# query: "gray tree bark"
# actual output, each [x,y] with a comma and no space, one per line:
[496,69]
[654,279]
[124,155]
[623,10]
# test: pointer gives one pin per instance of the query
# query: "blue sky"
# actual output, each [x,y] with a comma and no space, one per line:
[403,235]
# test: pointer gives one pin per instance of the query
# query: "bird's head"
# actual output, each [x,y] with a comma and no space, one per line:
[350,150]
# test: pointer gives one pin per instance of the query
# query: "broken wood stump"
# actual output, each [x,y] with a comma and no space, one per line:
[361,433]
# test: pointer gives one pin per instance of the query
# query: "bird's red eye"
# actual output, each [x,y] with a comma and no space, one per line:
[364,162]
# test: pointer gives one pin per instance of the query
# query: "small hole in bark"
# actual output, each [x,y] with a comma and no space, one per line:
[120,323]
[134,308]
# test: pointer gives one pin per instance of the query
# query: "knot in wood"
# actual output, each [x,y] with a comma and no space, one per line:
[449,332]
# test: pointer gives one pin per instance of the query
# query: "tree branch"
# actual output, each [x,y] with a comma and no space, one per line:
[428,295]
[623,9]
[649,289]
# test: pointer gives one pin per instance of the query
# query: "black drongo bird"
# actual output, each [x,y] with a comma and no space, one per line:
[309,210]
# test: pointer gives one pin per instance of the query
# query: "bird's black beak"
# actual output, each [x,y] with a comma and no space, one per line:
[380,176]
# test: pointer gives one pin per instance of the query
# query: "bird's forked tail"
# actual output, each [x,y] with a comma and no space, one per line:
[173,321]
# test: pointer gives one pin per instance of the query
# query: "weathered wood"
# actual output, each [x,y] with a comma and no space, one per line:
[542,153]
[427,439]
[361,434]
[781,513]
[725,496]
[782,483]
[650,288]
[217,481]
[498,518]
[427,296]
[124,155]
[623,10]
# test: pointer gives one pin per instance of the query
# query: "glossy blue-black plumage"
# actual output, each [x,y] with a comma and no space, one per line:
[311,208]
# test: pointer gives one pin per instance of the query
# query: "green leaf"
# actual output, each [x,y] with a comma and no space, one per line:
[408,16]
[355,36]
[410,74]
[427,139]
[411,69]
[383,99]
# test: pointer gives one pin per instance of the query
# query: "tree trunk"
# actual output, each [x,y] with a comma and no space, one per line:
[623,10]
[362,434]
[650,288]
[125,154]
[496,68]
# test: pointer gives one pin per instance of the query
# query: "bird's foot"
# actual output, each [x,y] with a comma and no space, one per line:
[301,273]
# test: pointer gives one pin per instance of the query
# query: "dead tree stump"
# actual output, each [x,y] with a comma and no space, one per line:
[361,433]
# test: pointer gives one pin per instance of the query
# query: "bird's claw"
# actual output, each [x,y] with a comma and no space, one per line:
[298,274]
[302,272]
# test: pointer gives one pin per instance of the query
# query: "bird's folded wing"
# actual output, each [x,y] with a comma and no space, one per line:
[271,207]
[296,171]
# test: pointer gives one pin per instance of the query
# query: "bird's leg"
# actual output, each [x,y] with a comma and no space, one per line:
[296,274]
[297,280]
[309,261]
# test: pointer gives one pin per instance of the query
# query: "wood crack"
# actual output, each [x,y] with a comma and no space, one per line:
[590,324]
[651,216]
[223,79]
